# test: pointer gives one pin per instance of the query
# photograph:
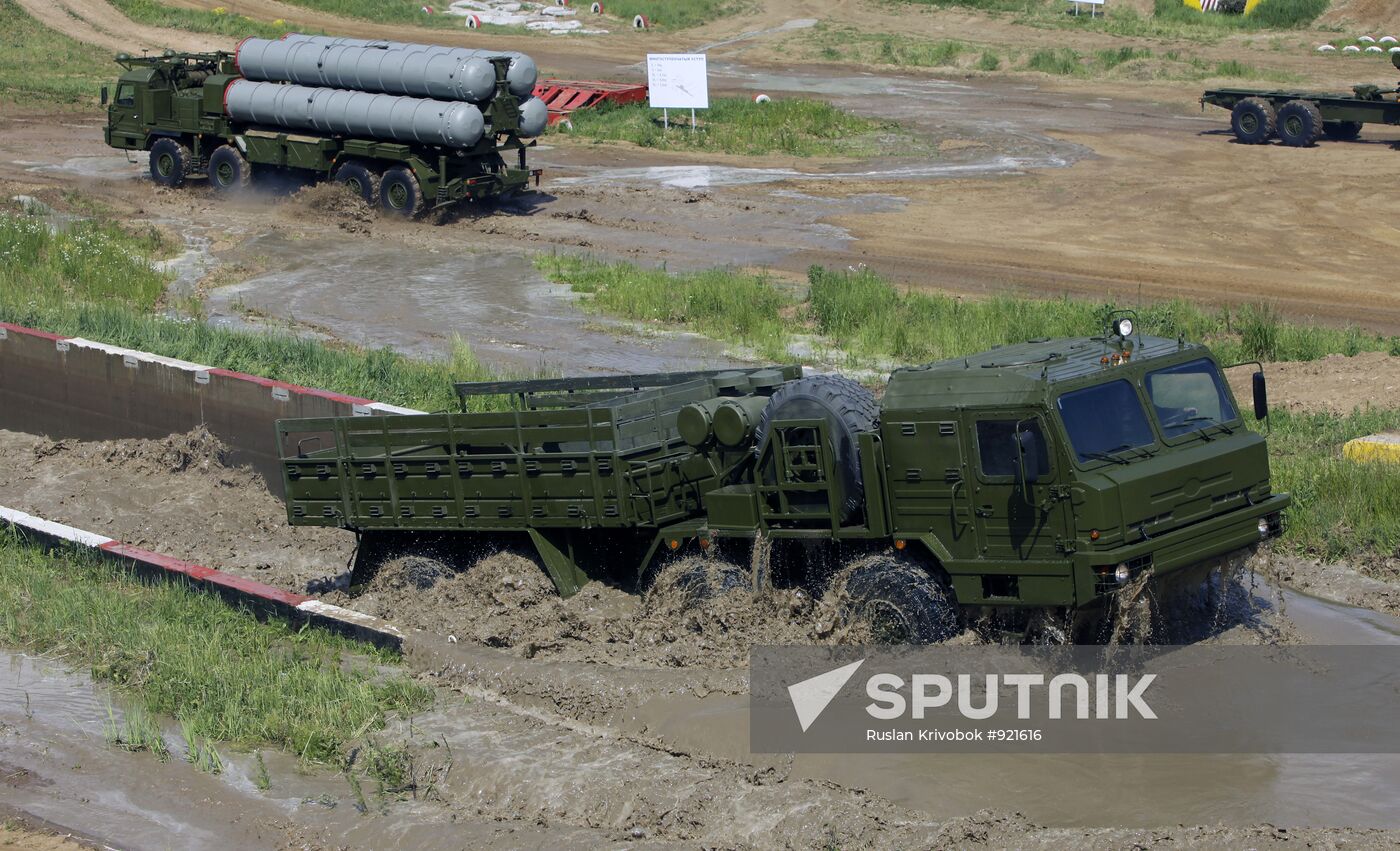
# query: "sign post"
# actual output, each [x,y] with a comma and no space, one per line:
[677,81]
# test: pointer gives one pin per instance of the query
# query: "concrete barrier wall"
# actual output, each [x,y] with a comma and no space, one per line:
[70,387]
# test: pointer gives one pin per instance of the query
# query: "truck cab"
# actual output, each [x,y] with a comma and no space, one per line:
[1057,472]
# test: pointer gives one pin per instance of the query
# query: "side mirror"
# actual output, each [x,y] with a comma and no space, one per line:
[1027,445]
[1261,391]
[104,95]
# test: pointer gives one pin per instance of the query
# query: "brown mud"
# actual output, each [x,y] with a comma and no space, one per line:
[179,496]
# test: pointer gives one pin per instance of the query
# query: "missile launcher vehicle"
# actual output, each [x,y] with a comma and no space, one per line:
[408,127]
[1049,475]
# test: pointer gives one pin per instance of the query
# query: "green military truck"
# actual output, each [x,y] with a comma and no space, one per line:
[1298,119]
[1048,474]
[198,117]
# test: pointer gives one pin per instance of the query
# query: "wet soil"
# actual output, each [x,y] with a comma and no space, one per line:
[179,496]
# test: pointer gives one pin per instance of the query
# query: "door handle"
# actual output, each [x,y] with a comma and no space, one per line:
[984,511]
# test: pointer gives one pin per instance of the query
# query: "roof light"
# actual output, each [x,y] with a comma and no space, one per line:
[1123,327]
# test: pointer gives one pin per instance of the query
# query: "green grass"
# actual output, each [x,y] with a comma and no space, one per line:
[384,12]
[94,280]
[845,44]
[1270,15]
[152,13]
[89,259]
[221,673]
[727,305]
[39,65]
[799,127]
[866,320]
[1342,508]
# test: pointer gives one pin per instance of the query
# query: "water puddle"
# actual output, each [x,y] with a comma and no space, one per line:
[415,300]
[714,176]
[1091,790]
[108,167]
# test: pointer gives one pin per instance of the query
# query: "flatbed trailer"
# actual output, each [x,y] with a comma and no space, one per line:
[1300,118]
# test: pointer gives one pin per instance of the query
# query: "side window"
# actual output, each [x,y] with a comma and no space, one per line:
[996,448]
[126,95]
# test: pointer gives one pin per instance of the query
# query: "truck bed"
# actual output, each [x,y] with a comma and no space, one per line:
[598,461]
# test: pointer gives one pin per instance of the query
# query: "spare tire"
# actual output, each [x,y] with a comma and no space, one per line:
[848,409]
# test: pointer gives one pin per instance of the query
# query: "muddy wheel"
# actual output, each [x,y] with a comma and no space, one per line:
[1341,131]
[399,192]
[360,180]
[895,601]
[423,559]
[170,162]
[696,581]
[229,172]
[1299,124]
[848,410]
[1253,121]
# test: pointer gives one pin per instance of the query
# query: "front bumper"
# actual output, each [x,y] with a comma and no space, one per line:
[1202,543]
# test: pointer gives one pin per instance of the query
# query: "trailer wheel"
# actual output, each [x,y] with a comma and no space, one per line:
[892,600]
[170,162]
[1253,121]
[399,193]
[229,172]
[1341,131]
[848,410]
[1299,123]
[359,179]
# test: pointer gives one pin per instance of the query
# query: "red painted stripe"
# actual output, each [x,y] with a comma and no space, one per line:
[292,388]
[206,574]
[20,329]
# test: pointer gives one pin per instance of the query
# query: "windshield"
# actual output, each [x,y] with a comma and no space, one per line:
[1188,397]
[1104,419]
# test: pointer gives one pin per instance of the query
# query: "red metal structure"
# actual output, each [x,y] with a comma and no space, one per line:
[564,96]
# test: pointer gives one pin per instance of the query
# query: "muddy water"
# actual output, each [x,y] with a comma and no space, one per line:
[56,766]
[1084,790]
[415,300]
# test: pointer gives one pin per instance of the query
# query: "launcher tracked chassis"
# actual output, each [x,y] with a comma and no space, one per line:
[1045,475]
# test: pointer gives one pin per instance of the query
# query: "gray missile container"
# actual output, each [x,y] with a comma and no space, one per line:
[521,77]
[335,111]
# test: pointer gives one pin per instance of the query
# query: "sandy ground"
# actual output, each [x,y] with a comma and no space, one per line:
[1336,384]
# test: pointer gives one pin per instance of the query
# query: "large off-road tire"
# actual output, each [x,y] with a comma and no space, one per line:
[1299,124]
[695,582]
[170,162]
[848,409]
[1341,131]
[1253,121]
[399,192]
[229,171]
[892,600]
[360,179]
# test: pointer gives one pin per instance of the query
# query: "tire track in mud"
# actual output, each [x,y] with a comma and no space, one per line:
[99,23]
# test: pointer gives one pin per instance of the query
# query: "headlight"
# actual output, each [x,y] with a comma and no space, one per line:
[1122,574]
[1263,527]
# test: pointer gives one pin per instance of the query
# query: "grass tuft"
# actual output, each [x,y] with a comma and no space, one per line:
[800,127]
[41,66]
[224,675]
[156,14]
